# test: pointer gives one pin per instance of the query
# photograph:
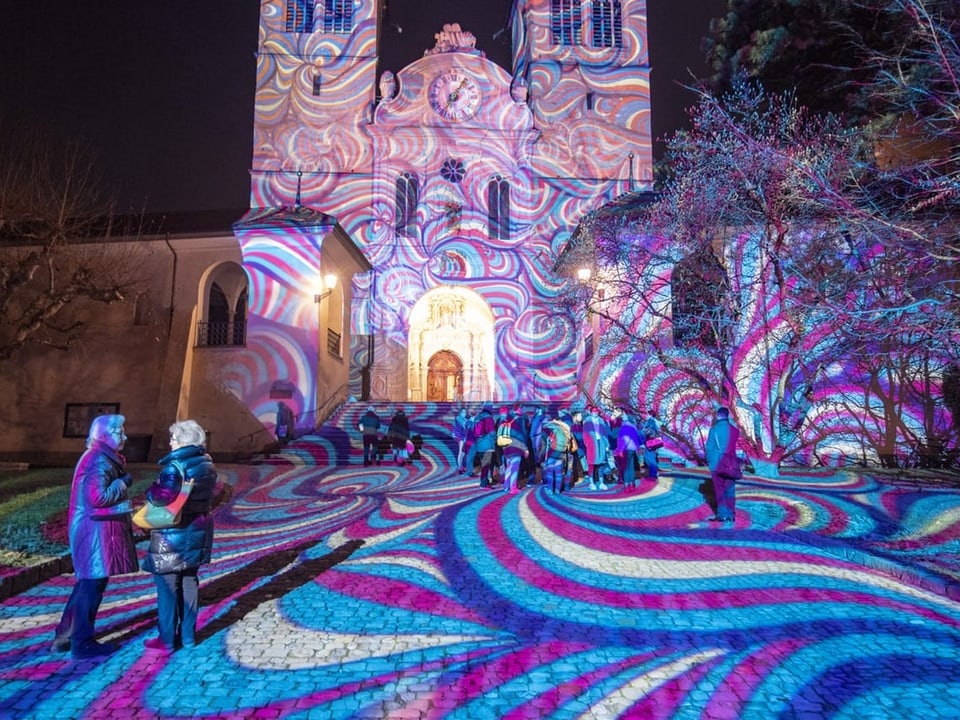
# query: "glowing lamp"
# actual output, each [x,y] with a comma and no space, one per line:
[329,283]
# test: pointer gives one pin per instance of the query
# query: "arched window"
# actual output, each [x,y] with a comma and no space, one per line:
[566,20]
[408,195]
[338,16]
[699,285]
[218,318]
[498,209]
[607,23]
[299,16]
[240,320]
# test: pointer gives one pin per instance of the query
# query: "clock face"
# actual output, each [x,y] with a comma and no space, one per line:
[454,95]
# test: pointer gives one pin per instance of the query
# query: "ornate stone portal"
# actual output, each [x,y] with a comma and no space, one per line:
[451,345]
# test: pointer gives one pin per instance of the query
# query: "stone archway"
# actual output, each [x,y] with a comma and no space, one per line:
[451,346]
[444,377]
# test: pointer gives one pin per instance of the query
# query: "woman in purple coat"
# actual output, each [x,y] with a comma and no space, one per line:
[101,537]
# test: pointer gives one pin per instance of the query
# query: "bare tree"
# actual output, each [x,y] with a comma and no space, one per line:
[53,223]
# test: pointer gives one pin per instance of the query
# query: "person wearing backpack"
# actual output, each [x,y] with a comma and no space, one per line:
[554,441]
[484,433]
[511,442]
[536,442]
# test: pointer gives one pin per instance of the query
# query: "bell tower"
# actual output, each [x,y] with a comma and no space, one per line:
[586,69]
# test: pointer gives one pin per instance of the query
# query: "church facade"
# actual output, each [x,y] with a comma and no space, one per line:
[458,180]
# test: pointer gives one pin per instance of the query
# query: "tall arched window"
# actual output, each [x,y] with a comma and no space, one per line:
[338,16]
[218,318]
[408,195]
[299,16]
[498,209]
[607,23]
[566,20]
[240,320]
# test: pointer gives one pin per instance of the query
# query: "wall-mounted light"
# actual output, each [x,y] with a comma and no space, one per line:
[329,283]
[583,275]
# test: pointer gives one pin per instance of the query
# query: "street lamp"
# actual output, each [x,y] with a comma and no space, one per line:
[329,283]
[583,275]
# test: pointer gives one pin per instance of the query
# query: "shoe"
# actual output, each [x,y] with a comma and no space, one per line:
[593,486]
[92,649]
[602,486]
[60,646]
[157,645]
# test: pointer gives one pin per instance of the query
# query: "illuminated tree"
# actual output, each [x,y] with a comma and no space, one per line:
[50,216]
[813,292]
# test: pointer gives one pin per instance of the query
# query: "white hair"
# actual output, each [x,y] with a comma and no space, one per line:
[188,432]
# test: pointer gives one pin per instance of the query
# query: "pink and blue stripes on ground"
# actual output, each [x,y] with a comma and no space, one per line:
[394,591]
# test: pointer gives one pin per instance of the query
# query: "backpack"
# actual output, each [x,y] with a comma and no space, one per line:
[557,438]
[482,426]
[503,433]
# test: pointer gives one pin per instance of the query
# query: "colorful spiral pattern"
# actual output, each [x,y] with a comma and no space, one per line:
[322,135]
[350,591]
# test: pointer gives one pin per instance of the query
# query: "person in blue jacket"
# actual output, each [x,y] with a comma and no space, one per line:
[176,553]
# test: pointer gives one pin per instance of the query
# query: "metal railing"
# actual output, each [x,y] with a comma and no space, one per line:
[219,333]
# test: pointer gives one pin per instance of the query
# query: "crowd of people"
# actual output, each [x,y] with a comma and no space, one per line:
[557,449]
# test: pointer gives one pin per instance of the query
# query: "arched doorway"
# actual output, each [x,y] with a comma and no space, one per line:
[445,378]
[452,351]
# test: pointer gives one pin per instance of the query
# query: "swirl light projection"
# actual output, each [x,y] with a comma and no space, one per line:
[353,592]
[281,254]
[342,152]
[775,347]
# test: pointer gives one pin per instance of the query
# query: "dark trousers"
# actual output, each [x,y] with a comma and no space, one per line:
[725,492]
[370,451]
[80,613]
[486,467]
[178,599]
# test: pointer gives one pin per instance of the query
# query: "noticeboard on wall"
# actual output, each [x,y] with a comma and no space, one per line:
[78,416]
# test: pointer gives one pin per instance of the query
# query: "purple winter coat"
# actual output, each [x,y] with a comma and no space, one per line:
[101,536]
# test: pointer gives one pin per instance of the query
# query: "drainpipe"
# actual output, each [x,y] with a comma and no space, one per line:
[173,284]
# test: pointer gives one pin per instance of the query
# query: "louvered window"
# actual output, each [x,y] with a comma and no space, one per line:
[607,23]
[566,21]
[299,16]
[338,16]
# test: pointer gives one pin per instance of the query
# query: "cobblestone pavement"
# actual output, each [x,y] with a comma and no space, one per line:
[410,592]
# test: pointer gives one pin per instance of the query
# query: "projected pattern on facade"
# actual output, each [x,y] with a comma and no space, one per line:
[567,133]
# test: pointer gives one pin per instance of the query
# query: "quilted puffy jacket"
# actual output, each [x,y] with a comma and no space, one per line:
[187,545]
[101,536]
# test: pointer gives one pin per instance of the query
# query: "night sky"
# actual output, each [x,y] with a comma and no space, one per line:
[163,92]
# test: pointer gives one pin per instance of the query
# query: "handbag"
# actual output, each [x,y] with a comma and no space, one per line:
[728,467]
[157,517]
[654,443]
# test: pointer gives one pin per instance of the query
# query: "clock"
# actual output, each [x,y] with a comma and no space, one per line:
[455,96]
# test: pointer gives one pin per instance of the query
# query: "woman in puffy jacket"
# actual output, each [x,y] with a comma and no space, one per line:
[177,552]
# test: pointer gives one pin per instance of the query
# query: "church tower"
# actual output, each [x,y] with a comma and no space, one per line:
[458,180]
